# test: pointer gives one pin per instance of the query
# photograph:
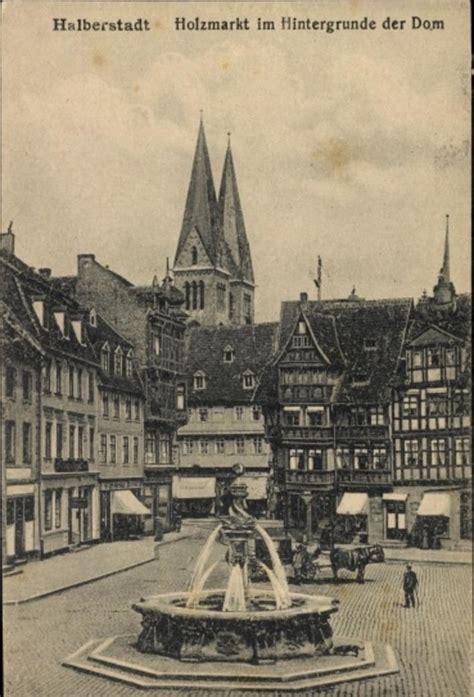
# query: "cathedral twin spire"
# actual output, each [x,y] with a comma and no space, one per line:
[219,222]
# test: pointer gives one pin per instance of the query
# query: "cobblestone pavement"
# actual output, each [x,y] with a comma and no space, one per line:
[431,642]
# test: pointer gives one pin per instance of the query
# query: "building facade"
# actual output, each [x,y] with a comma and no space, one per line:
[224,434]
[213,265]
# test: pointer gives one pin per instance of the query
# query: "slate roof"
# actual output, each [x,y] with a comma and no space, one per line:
[254,346]
[232,219]
[20,286]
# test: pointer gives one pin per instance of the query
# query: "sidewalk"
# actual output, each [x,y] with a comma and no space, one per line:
[48,576]
[432,556]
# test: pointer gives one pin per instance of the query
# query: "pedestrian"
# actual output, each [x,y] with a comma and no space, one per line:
[298,562]
[410,584]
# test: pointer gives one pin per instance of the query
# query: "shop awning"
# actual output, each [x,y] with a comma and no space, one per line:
[353,504]
[394,497]
[194,487]
[256,486]
[126,503]
[435,504]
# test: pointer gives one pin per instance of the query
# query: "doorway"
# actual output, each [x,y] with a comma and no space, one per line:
[395,520]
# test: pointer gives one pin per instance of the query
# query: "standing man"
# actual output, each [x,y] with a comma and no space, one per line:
[410,584]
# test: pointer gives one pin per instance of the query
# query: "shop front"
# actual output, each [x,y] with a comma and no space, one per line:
[157,497]
[21,522]
[194,497]
[395,516]
[69,511]
[433,520]
[122,513]
[352,517]
[256,493]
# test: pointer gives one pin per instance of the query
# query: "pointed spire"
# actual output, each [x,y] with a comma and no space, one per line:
[445,268]
[232,219]
[201,211]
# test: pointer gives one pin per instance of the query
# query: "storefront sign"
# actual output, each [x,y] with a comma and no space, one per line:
[79,503]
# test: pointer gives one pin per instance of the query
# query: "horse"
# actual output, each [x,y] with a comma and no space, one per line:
[355,559]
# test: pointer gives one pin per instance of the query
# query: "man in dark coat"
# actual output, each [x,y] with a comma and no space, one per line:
[410,583]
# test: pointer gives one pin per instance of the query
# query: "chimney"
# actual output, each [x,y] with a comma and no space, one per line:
[303,301]
[7,240]
[45,273]
[83,261]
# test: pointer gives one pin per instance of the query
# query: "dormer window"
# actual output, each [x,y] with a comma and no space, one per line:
[118,361]
[93,318]
[194,256]
[129,364]
[200,380]
[228,354]
[105,358]
[370,344]
[360,379]
[38,307]
[248,380]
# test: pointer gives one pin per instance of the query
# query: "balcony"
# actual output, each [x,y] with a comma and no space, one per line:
[365,477]
[71,465]
[307,433]
[362,432]
[320,477]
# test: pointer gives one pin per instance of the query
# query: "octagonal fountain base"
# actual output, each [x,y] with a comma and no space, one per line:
[117,659]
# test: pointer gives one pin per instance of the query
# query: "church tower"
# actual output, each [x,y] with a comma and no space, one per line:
[212,265]
[444,292]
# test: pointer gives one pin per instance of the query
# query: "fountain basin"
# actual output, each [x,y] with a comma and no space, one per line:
[260,634]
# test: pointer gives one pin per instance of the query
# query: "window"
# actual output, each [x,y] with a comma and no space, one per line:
[91,444]
[156,345]
[10,382]
[199,381]
[47,378]
[58,495]
[128,408]
[410,406]
[376,416]
[256,413]
[315,460]
[218,414]
[379,458]
[247,309]
[116,405]
[29,509]
[203,446]
[48,433]
[194,256]
[90,381]
[10,511]
[118,361]
[248,380]
[10,438]
[221,292]
[126,450]
[433,356]
[129,364]
[203,415]
[150,447]
[71,382]
[343,457]
[301,327]
[93,318]
[105,359]
[187,292]
[436,405]
[59,440]
[27,443]
[220,446]
[72,437]
[292,418]
[370,344]
[180,401]
[48,509]
[438,451]
[27,386]
[136,409]
[113,450]
[80,441]
[59,377]
[417,359]
[316,418]
[201,295]
[103,448]
[105,404]
[299,341]
[410,452]
[231,306]
[297,459]
[240,445]
[239,413]
[228,354]
[462,451]
[258,445]
[79,383]
[361,458]
[135,450]
[359,416]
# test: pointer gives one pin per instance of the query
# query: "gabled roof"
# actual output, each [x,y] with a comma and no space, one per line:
[232,220]
[253,345]
[201,211]
[433,335]
[322,328]
[455,320]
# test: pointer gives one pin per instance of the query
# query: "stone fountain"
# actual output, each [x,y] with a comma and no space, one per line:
[224,638]
[237,623]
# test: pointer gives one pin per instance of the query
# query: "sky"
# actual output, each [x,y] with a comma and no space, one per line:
[352,145]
